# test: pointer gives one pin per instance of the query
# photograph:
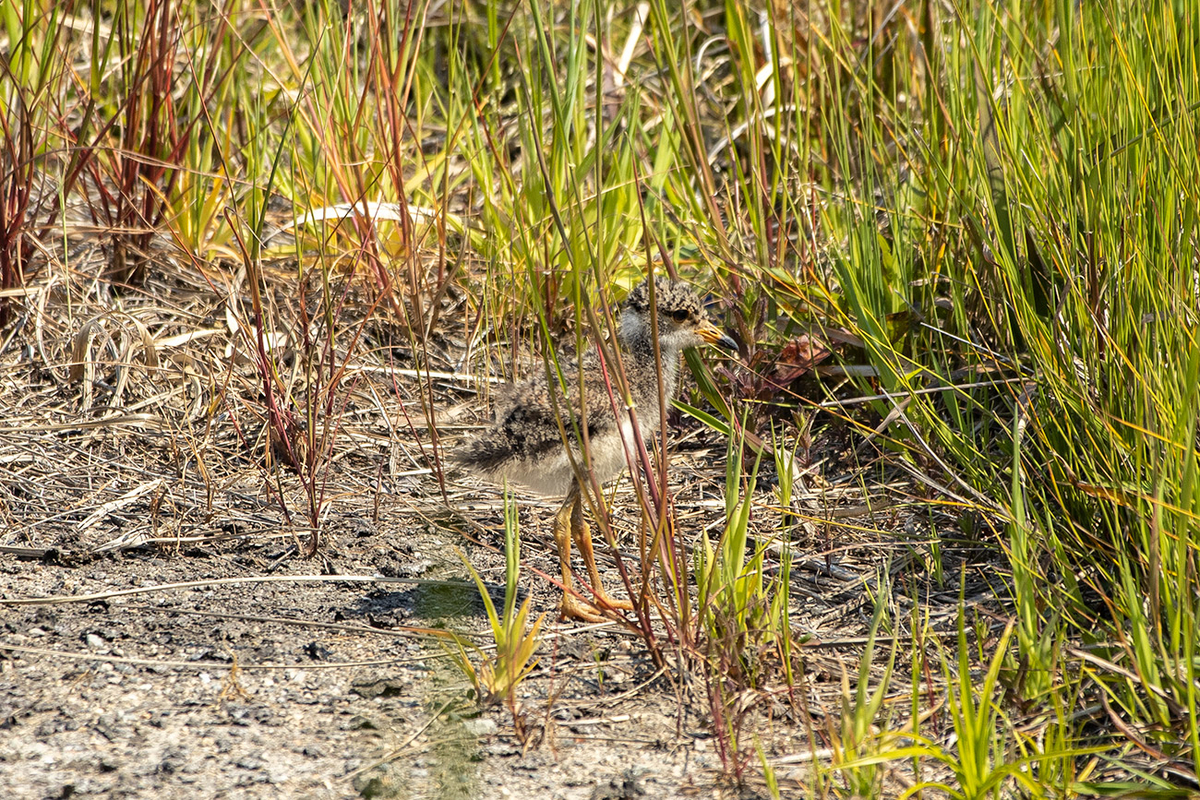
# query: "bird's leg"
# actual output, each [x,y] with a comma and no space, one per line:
[582,535]
[571,606]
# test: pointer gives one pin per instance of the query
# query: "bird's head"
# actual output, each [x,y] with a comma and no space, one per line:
[682,320]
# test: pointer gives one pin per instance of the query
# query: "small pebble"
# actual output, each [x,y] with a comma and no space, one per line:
[480,726]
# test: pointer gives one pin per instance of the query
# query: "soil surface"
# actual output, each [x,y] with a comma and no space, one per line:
[162,634]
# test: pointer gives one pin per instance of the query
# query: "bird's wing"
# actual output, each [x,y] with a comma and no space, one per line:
[528,414]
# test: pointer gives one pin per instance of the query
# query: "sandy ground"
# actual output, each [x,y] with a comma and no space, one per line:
[322,688]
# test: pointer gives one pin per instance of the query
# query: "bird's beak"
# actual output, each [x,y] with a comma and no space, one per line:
[714,335]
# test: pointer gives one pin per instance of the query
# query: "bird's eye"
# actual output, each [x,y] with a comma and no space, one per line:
[679,314]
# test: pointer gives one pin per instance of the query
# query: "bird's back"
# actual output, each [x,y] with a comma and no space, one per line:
[525,442]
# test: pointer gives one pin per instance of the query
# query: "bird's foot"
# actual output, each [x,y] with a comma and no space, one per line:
[572,607]
[606,602]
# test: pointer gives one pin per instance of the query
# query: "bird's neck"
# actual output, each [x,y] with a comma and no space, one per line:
[637,339]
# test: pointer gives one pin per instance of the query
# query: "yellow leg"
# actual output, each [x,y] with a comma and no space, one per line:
[571,606]
[582,535]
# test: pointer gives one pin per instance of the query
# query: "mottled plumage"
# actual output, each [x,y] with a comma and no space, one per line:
[525,445]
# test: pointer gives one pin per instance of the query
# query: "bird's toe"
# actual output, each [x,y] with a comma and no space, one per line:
[574,608]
